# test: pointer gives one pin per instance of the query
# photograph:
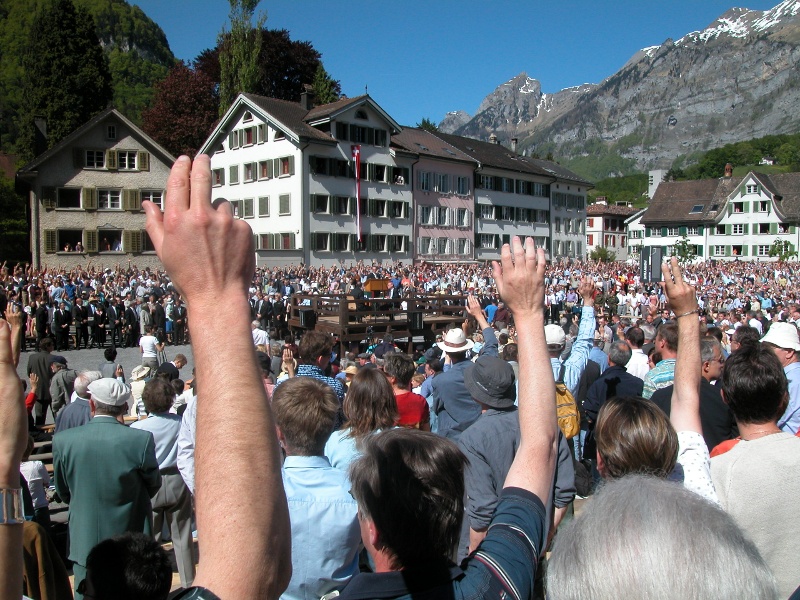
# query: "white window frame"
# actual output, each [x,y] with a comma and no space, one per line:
[673,231]
[94,159]
[154,196]
[762,250]
[127,160]
[111,198]
[692,230]
[737,229]
[718,250]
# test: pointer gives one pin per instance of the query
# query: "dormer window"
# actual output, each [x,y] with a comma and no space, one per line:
[111,132]
[248,116]
[752,189]
[361,114]
[697,208]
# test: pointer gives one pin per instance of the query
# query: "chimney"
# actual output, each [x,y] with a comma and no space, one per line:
[493,139]
[39,135]
[306,97]
[514,145]
[728,170]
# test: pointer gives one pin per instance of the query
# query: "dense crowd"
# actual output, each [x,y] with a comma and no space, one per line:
[669,409]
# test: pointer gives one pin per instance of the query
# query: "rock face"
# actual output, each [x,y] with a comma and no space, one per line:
[737,79]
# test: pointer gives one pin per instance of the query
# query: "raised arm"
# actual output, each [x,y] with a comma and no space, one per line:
[13,436]
[682,298]
[246,552]
[520,281]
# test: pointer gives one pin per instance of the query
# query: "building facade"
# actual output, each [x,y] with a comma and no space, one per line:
[85,195]
[605,227]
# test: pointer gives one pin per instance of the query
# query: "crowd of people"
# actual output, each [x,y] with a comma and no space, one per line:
[309,470]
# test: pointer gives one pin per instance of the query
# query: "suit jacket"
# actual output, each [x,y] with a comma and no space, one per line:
[61,318]
[41,316]
[159,317]
[615,381]
[130,319]
[263,308]
[39,363]
[79,314]
[716,418]
[107,473]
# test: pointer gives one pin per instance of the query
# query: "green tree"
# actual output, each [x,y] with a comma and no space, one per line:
[787,154]
[326,89]
[13,224]
[428,125]
[684,250]
[602,254]
[783,250]
[67,75]
[239,56]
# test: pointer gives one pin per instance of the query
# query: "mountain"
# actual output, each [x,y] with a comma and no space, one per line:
[137,48]
[735,80]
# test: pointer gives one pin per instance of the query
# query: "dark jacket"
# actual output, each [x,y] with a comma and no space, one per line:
[615,381]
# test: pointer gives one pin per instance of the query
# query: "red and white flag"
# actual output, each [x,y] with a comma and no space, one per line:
[356,149]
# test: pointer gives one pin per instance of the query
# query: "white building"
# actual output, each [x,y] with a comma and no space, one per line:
[605,227]
[654,180]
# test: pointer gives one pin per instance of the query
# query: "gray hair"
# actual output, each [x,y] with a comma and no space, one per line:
[649,332]
[255,324]
[620,353]
[83,380]
[707,346]
[652,519]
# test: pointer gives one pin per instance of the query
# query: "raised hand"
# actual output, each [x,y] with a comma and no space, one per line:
[519,277]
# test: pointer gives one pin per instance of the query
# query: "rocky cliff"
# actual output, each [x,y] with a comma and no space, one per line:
[737,79]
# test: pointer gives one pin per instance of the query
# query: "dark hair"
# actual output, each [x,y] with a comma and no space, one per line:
[745,335]
[502,338]
[635,436]
[435,365]
[313,345]
[669,333]
[158,395]
[369,404]
[46,344]
[400,366]
[410,483]
[131,566]
[110,353]
[305,410]
[715,332]
[510,352]
[178,386]
[635,336]
[754,384]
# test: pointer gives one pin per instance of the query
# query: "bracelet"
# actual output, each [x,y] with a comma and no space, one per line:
[686,314]
[11,511]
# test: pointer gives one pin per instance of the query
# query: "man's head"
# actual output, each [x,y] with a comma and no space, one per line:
[82,381]
[667,340]
[255,325]
[619,354]
[711,357]
[456,344]
[556,339]
[305,410]
[754,385]
[57,363]
[180,361]
[635,337]
[46,345]
[108,397]
[782,339]
[110,354]
[490,382]
[409,486]
[158,395]
[399,368]
[315,348]
[131,566]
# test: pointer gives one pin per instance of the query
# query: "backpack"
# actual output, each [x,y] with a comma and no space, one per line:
[566,408]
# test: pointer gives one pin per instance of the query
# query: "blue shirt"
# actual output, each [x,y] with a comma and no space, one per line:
[576,363]
[315,372]
[165,428]
[598,356]
[340,449]
[790,421]
[326,536]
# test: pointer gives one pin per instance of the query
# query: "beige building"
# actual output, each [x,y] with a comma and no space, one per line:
[86,194]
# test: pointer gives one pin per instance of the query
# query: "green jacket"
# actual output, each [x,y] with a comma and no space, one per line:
[107,473]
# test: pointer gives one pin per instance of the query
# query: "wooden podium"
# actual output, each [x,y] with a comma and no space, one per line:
[374,286]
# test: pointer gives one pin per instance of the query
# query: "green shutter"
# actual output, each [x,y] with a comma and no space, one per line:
[755,250]
[773,228]
[699,230]
[132,241]
[292,244]
[647,232]
[727,230]
[291,165]
[744,250]
[89,198]
[698,250]
[131,200]
[745,228]
[90,240]
[111,160]
[143,161]
[48,197]
[792,229]
[727,250]
[745,207]
[682,230]
[50,241]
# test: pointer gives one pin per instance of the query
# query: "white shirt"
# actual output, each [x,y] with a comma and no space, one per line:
[638,365]
[260,337]
[148,346]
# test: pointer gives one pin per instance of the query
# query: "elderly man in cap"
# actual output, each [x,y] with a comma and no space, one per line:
[106,472]
[490,445]
[783,340]
[452,402]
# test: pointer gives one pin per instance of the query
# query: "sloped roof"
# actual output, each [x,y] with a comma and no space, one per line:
[425,143]
[610,209]
[785,186]
[154,146]
[674,201]
[496,155]
[326,110]
[290,115]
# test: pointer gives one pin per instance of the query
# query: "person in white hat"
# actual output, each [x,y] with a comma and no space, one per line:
[452,402]
[783,340]
[106,472]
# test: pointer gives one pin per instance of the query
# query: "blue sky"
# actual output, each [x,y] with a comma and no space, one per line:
[422,59]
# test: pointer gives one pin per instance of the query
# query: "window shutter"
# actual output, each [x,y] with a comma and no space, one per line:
[746,207]
[292,243]
[728,230]
[276,167]
[682,231]
[50,241]
[647,232]
[773,228]
[111,160]
[371,207]
[406,210]
[698,250]
[90,240]
[727,250]
[663,232]
[793,229]
[263,206]
[754,250]
[256,242]
[132,241]
[89,198]
[270,169]
[745,228]
[312,241]
[291,165]
[143,161]
[78,158]
[699,230]
[131,200]
[49,198]
[730,209]
[744,250]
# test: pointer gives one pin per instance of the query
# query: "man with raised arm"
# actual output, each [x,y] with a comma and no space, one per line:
[409,485]
[246,551]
